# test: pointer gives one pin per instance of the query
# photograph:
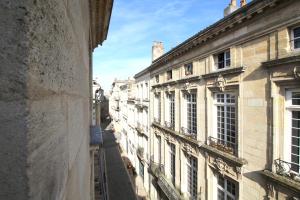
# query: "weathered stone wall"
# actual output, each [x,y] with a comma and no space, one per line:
[45,101]
[13,76]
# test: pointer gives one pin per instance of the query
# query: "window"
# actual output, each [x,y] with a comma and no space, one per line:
[141,165]
[293,121]
[172,162]
[191,114]
[169,75]
[188,69]
[158,108]
[227,189]
[296,38]
[157,78]
[171,110]
[192,167]
[223,60]
[226,120]
[159,149]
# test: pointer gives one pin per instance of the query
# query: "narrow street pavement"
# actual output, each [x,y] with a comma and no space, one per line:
[119,185]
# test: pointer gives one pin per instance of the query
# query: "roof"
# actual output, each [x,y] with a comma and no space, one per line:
[206,35]
[100,14]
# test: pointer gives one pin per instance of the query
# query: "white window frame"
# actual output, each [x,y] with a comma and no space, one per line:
[172,154]
[170,108]
[289,108]
[188,69]
[225,58]
[194,180]
[186,122]
[215,116]
[226,192]
[157,106]
[293,39]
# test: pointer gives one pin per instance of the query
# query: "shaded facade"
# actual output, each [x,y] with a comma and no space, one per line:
[224,108]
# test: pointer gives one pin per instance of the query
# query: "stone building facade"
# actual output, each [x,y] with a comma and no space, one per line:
[46,97]
[225,108]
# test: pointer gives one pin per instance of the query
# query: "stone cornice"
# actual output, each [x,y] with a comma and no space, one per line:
[177,134]
[224,25]
[182,80]
[281,180]
[100,13]
[226,71]
[281,61]
[228,157]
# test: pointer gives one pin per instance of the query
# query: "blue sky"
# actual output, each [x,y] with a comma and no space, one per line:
[135,24]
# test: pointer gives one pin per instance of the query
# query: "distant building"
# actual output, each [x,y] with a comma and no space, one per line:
[225,108]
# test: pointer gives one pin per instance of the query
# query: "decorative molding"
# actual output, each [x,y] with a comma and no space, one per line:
[220,83]
[296,72]
[226,71]
[281,61]
[270,190]
[221,166]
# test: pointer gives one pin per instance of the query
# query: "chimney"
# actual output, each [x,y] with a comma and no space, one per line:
[157,50]
[231,8]
[243,3]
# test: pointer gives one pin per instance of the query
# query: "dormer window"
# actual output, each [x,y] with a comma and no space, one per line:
[296,38]
[169,75]
[188,69]
[223,60]
[157,78]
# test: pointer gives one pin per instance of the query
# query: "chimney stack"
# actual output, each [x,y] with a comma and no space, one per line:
[231,8]
[157,50]
[243,3]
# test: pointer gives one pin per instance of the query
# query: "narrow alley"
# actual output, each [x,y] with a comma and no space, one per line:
[119,185]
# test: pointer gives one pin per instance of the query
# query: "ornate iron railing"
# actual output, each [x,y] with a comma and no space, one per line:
[139,127]
[156,168]
[288,169]
[222,145]
[140,152]
[157,120]
[169,125]
[187,132]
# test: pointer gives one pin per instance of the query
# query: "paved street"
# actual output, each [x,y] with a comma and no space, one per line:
[119,185]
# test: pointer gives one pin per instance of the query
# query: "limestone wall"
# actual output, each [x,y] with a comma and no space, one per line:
[45,68]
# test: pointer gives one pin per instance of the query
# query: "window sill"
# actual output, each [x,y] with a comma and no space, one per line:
[282,180]
[177,134]
[281,61]
[225,71]
[231,158]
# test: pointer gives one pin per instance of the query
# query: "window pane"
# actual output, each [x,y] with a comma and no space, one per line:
[296,98]
[297,32]
[297,43]
[221,195]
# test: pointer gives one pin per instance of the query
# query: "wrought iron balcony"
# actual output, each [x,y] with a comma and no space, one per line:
[139,127]
[287,169]
[169,125]
[156,168]
[167,187]
[140,152]
[157,120]
[188,132]
[222,145]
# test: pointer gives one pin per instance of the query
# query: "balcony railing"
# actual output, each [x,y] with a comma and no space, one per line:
[222,145]
[188,132]
[169,125]
[156,168]
[170,191]
[287,169]
[157,120]
[95,136]
[140,152]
